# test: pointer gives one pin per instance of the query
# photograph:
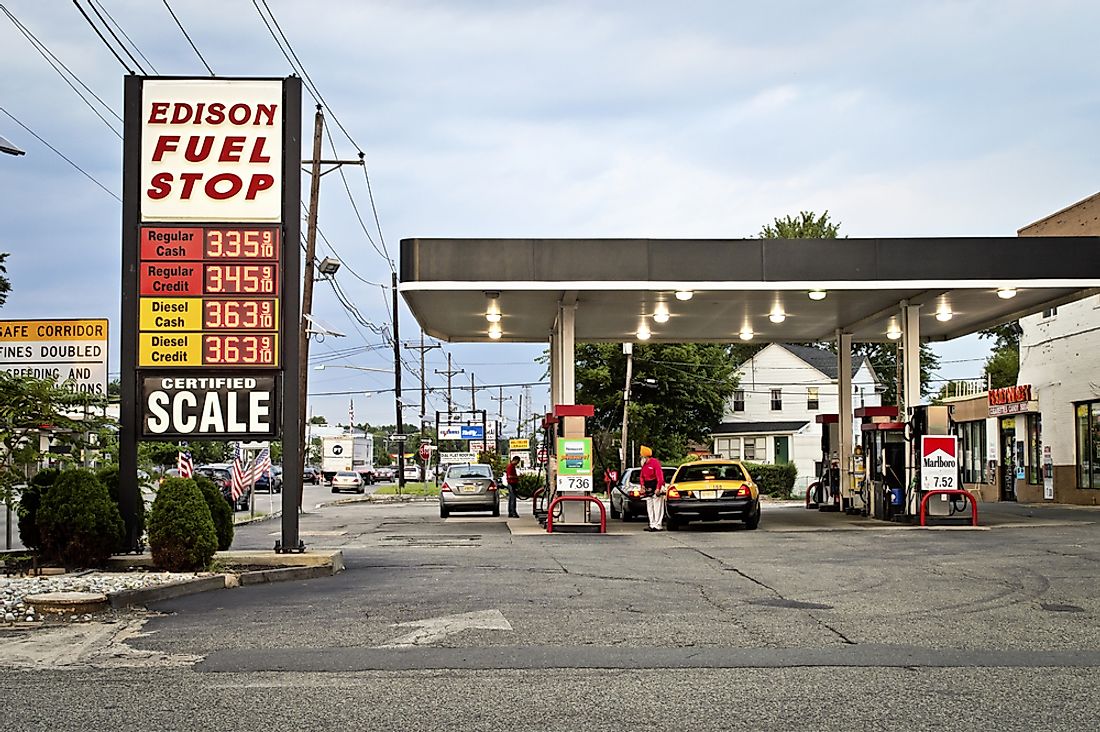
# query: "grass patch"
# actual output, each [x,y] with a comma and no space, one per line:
[411,489]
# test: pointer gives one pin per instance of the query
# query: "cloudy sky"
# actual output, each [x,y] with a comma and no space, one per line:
[574,119]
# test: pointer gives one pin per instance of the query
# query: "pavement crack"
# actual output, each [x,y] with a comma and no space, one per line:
[844,639]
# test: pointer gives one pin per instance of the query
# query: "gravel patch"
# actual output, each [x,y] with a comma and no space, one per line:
[13,590]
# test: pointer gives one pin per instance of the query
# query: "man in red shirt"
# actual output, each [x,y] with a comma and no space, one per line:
[652,478]
[511,476]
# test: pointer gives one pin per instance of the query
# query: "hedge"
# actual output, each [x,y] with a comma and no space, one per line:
[774,480]
[108,476]
[29,501]
[529,483]
[182,536]
[220,511]
[78,523]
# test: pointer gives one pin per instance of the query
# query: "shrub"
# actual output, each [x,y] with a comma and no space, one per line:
[529,483]
[182,536]
[775,480]
[29,501]
[78,523]
[108,476]
[220,511]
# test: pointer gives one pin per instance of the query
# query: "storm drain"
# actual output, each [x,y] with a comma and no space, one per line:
[794,604]
[1056,608]
[436,540]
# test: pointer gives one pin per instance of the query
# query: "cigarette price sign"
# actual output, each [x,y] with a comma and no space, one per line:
[209,296]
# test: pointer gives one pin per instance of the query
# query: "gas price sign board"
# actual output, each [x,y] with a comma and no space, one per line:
[210,294]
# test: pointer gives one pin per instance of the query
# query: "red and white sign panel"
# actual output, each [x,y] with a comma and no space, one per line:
[939,462]
[211,150]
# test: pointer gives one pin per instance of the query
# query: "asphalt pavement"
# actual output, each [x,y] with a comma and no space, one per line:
[814,621]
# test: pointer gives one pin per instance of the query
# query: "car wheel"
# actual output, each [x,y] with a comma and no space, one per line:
[672,525]
[361,490]
[443,512]
[335,489]
[614,513]
[753,521]
[625,514]
[496,509]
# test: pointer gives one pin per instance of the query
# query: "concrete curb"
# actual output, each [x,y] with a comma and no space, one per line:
[258,519]
[285,574]
[170,591]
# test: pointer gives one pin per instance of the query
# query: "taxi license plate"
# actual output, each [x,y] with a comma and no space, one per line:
[709,495]
[469,489]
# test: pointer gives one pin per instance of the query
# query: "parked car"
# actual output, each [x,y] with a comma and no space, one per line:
[347,480]
[270,482]
[468,488]
[412,471]
[627,496]
[312,474]
[712,490]
[383,473]
[220,474]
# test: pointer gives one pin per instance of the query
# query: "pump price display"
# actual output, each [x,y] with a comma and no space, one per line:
[209,296]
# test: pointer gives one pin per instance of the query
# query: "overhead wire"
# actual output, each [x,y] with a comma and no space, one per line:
[124,35]
[60,154]
[188,37]
[55,62]
[102,38]
[114,35]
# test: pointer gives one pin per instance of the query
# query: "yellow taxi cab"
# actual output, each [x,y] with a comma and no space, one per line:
[712,490]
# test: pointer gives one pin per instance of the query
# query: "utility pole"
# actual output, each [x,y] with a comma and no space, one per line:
[450,372]
[500,399]
[397,391]
[473,394]
[628,349]
[307,280]
[519,417]
[423,393]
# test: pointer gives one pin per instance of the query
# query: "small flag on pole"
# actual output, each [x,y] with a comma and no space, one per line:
[238,472]
[184,464]
[261,465]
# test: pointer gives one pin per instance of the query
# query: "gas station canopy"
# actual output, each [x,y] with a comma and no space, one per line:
[739,287]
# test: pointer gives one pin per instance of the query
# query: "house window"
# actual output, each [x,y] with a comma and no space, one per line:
[1088,445]
[1050,312]
[812,397]
[750,448]
[777,400]
[739,400]
[734,449]
[973,451]
[1034,450]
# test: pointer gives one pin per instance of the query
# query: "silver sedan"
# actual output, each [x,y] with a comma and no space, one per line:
[347,480]
[468,488]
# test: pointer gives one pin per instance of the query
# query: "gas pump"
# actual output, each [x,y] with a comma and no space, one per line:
[570,470]
[826,497]
[884,452]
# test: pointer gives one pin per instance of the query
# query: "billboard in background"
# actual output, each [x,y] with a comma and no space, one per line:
[72,352]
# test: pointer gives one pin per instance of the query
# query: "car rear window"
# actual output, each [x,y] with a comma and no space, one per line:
[346,474]
[634,476]
[710,472]
[470,471]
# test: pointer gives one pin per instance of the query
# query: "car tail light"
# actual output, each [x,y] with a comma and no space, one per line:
[444,488]
[492,486]
[673,493]
[743,492]
[635,494]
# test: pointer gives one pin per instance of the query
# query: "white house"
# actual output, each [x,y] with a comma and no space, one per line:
[781,391]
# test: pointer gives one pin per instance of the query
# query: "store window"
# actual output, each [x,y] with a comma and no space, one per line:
[777,400]
[1088,445]
[972,435]
[1034,450]
[812,397]
[739,400]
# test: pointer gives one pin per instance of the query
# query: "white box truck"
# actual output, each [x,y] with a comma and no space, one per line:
[348,452]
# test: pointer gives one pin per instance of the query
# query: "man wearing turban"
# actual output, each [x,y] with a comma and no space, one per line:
[652,478]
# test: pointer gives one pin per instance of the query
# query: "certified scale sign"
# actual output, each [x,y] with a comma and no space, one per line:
[939,462]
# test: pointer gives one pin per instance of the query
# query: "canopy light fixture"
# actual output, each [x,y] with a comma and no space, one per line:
[660,314]
[643,332]
[944,314]
[894,332]
[746,334]
[492,312]
[495,332]
[777,315]
[1006,293]
[817,294]
[684,294]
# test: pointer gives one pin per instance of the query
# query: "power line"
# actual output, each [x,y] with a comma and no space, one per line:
[102,38]
[110,30]
[61,155]
[184,31]
[123,32]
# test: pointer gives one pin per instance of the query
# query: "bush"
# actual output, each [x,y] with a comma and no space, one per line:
[220,511]
[29,501]
[182,536]
[78,523]
[775,480]
[529,483]
[108,476]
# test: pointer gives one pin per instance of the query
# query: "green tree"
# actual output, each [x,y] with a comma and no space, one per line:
[318,419]
[679,394]
[882,356]
[806,226]
[27,407]
[5,284]
[1003,365]
[182,536]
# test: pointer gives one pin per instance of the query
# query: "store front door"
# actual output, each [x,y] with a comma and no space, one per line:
[1008,459]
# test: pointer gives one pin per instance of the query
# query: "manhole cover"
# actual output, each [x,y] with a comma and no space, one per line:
[67,602]
[436,540]
[795,604]
[1057,608]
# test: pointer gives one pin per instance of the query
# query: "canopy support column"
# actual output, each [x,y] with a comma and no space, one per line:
[844,412]
[567,355]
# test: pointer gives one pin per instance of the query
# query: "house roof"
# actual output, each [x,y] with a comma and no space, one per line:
[742,428]
[822,360]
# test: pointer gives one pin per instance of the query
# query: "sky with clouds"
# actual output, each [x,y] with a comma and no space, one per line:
[575,119]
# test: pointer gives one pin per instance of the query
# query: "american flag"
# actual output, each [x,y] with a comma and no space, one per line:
[184,464]
[238,472]
[260,465]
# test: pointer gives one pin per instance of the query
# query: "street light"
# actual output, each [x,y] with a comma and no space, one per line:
[9,147]
[328,266]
